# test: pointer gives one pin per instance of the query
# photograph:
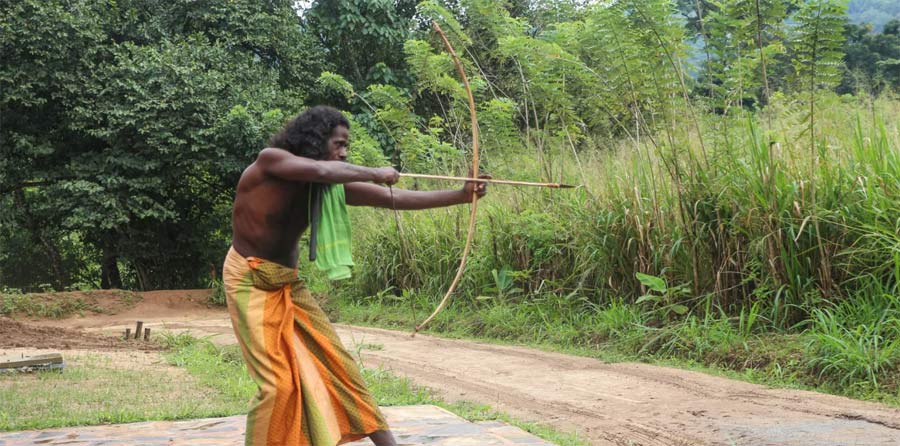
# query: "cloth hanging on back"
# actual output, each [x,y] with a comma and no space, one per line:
[329,240]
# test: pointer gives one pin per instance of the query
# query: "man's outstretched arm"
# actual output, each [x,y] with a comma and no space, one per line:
[287,166]
[367,194]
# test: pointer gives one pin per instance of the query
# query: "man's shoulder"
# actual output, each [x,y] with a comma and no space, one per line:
[270,154]
[255,176]
[264,160]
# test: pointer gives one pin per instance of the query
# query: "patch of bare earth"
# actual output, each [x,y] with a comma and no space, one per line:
[120,306]
[108,313]
[165,310]
[16,334]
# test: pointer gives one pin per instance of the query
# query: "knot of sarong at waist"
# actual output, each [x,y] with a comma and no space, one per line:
[271,276]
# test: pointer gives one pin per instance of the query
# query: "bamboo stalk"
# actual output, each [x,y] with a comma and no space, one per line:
[486,180]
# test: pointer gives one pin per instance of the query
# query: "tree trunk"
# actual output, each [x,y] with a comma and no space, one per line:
[143,277]
[36,232]
[764,100]
[109,270]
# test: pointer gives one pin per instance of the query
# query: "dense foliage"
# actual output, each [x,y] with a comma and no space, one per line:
[125,125]
[872,59]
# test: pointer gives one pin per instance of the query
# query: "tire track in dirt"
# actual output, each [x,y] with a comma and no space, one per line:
[625,404]
[510,399]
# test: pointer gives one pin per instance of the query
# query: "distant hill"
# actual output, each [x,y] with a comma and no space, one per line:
[876,12]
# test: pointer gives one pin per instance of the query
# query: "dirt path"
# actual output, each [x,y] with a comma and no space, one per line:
[627,404]
[609,404]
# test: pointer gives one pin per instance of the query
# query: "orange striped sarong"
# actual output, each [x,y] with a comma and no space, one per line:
[311,392]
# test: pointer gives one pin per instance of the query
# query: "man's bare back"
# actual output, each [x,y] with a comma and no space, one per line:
[269,216]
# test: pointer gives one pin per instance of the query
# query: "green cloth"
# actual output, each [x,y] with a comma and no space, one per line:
[333,235]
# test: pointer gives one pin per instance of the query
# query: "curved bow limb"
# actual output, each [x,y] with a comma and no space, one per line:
[474,174]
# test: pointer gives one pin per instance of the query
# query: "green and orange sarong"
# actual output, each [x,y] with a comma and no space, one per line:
[311,392]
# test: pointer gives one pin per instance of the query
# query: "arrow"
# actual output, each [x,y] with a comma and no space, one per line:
[487,180]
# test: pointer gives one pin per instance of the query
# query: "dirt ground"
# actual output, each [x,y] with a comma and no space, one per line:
[608,404]
[19,335]
[103,326]
[171,311]
[626,403]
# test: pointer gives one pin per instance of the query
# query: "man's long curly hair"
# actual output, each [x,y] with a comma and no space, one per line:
[307,134]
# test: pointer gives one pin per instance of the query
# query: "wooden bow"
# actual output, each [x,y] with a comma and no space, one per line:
[474,174]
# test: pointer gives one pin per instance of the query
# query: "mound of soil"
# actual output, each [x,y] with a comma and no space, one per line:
[14,334]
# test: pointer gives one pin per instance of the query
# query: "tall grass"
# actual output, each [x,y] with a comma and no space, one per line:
[739,233]
[856,342]
[733,243]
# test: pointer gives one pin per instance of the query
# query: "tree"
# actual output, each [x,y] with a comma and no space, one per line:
[817,59]
[817,52]
[126,124]
[743,39]
[872,59]
[363,38]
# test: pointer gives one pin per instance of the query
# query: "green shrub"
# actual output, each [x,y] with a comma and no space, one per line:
[856,343]
[217,296]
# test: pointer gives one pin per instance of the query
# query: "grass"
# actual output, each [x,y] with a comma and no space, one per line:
[98,388]
[208,381]
[218,367]
[12,302]
[217,296]
[746,229]
[857,341]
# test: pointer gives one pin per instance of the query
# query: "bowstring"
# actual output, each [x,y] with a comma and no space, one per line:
[405,256]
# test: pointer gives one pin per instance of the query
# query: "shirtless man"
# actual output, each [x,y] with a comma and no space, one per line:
[270,210]
[269,216]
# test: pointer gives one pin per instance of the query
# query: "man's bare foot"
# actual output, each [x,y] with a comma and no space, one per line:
[383,438]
